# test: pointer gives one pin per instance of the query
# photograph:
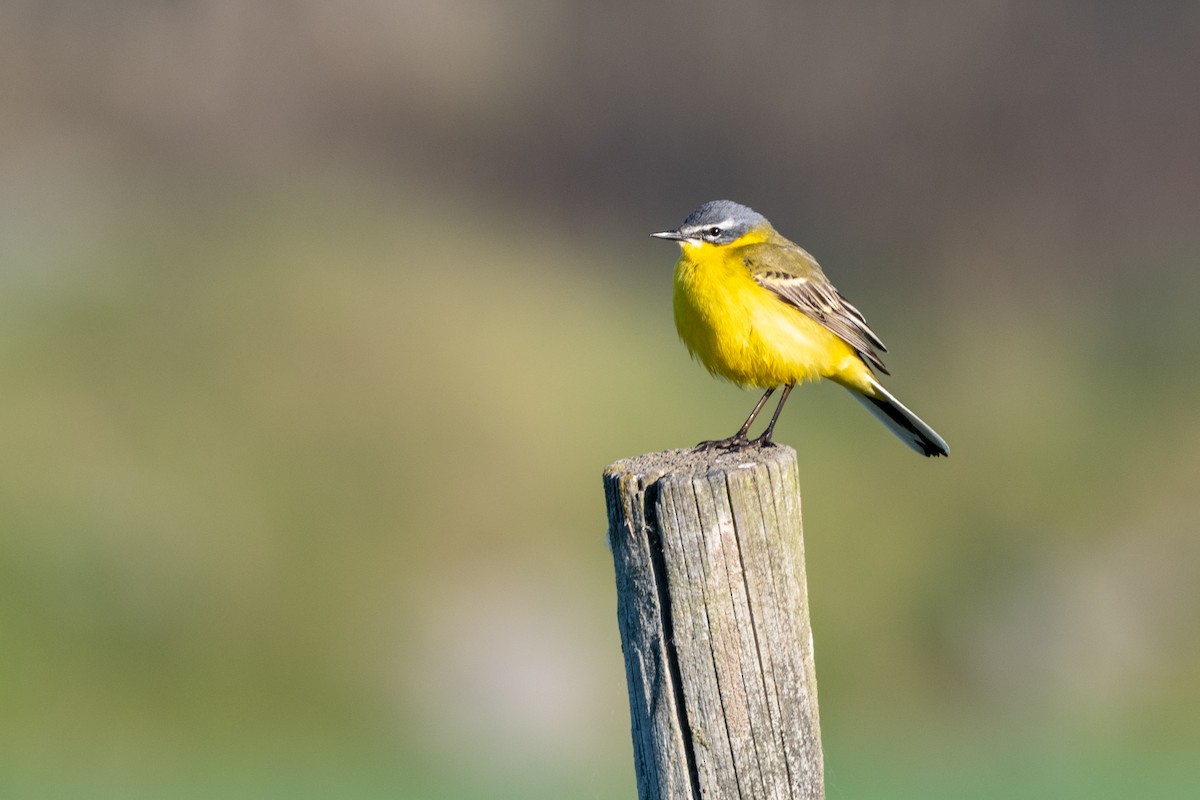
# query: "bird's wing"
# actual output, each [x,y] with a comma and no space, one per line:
[796,278]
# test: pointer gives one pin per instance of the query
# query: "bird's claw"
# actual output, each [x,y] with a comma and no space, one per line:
[733,443]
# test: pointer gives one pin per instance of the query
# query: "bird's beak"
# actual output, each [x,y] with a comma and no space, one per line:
[674,236]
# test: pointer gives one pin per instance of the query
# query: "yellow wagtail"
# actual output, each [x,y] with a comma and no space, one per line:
[756,309]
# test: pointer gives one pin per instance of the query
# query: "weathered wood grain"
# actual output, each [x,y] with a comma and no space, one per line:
[713,614]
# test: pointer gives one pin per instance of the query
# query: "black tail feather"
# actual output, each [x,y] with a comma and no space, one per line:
[910,428]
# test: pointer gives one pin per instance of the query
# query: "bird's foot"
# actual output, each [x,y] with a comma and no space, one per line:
[736,442]
[764,440]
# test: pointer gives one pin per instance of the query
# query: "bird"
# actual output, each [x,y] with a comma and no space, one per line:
[757,310]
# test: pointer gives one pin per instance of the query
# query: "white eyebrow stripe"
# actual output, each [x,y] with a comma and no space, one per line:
[724,225]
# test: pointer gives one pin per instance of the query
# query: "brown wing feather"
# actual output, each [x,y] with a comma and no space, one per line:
[809,291]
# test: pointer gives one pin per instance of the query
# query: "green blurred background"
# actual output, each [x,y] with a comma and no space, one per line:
[319,322]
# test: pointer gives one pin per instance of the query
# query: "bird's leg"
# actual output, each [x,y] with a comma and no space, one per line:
[739,440]
[765,439]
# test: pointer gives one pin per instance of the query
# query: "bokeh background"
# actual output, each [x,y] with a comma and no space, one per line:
[319,321]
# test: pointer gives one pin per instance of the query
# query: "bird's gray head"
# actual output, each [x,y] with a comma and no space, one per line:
[716,222]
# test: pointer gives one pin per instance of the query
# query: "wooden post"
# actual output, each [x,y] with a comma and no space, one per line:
[713,611]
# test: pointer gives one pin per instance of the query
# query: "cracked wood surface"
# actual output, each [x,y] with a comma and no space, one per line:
[713,614]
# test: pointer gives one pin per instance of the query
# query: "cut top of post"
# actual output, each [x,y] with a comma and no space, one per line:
[692,464]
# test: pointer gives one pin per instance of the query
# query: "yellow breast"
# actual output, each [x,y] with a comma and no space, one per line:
[745,333]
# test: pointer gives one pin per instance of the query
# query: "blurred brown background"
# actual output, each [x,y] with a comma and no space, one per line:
[319,322]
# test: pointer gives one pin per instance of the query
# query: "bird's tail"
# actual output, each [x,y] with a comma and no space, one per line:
[911,429]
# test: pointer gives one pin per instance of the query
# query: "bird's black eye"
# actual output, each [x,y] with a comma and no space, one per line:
[714,232]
